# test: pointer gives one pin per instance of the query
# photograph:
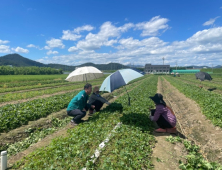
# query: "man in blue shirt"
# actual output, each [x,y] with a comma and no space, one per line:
[78,105]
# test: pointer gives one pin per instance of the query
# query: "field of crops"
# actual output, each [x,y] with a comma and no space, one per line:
[129,146]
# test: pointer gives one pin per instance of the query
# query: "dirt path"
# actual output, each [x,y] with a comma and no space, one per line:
[40,97]
[165,155]
[62,132]
[194,124]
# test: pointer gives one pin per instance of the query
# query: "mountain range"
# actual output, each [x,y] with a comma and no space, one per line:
[20,61]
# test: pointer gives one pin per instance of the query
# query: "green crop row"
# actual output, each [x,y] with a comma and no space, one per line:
[41,84]
[74,151]
[131,148]
[211,84]
[194,159]
[38,134]
[30,83]
[209,102]
[29,94]
[16,115]
[22,78]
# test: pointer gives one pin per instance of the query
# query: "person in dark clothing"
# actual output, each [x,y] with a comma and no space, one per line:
[96,100]
[78,105]
[163,115]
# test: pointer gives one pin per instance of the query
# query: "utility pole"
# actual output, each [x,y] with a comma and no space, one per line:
[163,60]
[212,68]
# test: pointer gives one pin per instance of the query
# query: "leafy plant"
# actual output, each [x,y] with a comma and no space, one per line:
[194,159]
[209,102]
[130,147]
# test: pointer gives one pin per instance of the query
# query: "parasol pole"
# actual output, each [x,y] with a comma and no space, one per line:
[128,96]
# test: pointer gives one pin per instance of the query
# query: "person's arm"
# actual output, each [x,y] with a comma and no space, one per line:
[157,114]
[81,101]
[95,97]
[88,105]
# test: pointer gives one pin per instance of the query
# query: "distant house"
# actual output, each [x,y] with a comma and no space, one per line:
[149,68]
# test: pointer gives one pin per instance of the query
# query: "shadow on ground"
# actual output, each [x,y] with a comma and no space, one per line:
[140,120]
[212,89]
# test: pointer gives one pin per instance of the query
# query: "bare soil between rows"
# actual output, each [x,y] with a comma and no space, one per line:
[166,155]
[195,125]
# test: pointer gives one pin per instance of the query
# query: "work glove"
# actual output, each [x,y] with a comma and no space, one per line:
[108,103]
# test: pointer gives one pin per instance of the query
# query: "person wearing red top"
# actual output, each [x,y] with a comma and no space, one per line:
[163,115]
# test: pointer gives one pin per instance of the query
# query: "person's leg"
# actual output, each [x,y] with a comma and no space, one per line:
[162,123]
[77,114]
[98,104]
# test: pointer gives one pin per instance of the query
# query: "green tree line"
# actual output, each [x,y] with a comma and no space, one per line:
[33,70]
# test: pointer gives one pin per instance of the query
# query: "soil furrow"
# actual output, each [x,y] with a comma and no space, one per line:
[197,127]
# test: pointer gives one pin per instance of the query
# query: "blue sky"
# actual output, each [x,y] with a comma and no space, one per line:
[101,31]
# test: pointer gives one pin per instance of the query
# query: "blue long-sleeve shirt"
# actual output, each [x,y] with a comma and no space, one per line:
[79,101]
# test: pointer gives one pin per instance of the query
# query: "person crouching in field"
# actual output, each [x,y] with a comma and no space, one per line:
[163,115]
[96,100]
[78,105]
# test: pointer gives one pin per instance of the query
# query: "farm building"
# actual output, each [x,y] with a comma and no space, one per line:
[149,68]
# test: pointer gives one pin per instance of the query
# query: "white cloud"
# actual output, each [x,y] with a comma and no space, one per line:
[68,35]
[73,49]
[211,21]
[126,27]
[205,46]
[54,43]
[52,52]
[212,35]
[4,41]
[102,38]
[83,28]
[110,42]
[31,46]
[4,49]
[75,34]
[152,27]
[130,43]
[20,50]
[47,47]
[34,46]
